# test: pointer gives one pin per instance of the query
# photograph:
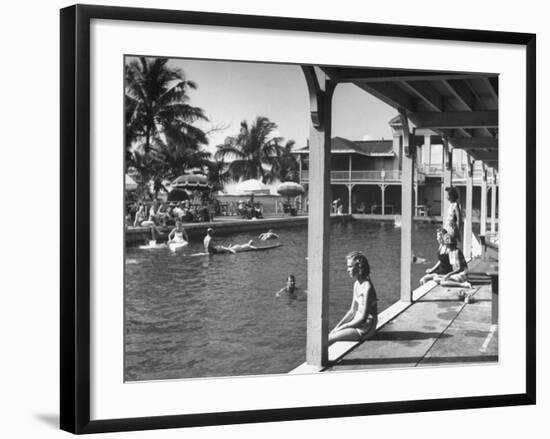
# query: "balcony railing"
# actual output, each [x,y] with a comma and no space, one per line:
[359,176]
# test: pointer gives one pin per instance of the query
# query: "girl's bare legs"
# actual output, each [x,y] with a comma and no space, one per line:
[347,334]
[427,278]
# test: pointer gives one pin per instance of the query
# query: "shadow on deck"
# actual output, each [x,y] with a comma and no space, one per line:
[439,328]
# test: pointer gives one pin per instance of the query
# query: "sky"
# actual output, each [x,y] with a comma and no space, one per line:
[230,92]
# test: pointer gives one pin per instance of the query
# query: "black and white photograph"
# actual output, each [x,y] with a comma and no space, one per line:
[275,219]
[295,218]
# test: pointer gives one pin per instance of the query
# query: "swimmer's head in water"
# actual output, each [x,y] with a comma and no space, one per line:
[291,281]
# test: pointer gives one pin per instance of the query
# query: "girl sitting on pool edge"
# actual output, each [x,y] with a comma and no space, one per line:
[359,323]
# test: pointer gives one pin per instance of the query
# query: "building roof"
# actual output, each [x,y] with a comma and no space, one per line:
[461,107]
[373,148]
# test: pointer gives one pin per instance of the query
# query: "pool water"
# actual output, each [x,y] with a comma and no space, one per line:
[205,316]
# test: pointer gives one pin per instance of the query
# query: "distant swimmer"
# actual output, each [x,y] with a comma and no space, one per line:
[212,249]
[177,238]
[178,234]
[290,287]
[268,235]
[242,247]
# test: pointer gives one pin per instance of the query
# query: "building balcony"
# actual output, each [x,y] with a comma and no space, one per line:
[359,176]
[459,172]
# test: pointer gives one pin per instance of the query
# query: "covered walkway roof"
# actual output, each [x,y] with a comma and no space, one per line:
[459,106]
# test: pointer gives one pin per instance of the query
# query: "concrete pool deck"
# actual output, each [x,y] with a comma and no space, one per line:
[437,328]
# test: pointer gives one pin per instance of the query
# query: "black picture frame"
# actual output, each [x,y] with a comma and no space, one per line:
[75,217]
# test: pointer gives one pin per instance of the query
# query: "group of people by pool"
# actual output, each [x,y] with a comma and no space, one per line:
[360,321]
[451,268]
[178,238]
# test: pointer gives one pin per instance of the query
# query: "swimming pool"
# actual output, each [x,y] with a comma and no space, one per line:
[205,316]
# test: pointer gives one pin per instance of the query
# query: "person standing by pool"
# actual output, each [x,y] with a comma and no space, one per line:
[360,321]
[212,249]
[454,214]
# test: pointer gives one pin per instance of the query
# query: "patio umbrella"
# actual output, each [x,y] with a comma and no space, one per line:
[129,183]
[191,182]
[252,186]
[290,189]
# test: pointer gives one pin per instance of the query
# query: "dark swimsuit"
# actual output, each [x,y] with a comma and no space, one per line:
[444,264]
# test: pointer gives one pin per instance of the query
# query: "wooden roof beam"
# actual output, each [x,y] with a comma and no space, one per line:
[455,119]
[345,74]
[426,93]
[486,156]
[474,143]
[389,94]
[461,92]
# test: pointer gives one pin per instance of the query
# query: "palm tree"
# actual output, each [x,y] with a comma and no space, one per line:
[160,121]
[253,152]
[217,174]
[286,166]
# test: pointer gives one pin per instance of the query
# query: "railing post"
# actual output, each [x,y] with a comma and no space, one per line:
[467,249]
[318,219]
[406,209]
[383,187]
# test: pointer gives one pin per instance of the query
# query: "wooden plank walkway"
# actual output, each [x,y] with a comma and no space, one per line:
[440,328]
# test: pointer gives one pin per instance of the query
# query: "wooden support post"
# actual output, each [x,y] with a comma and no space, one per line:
[427,150]
[467,249]
[447,176]
[319,219]
[483,207]
[383,188]
[406,209]
[350,190]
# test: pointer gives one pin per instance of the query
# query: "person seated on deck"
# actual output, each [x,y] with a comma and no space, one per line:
[150,222]
[359,323]
[140,215]
[240,247]
[270,234]
[212,249]
[178,234]
[458,277]
[442,266]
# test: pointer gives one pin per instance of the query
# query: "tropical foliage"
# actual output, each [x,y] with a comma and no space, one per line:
[255,153]
[162,139]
